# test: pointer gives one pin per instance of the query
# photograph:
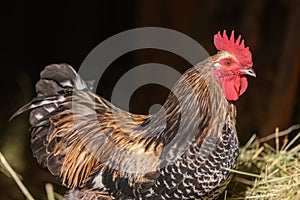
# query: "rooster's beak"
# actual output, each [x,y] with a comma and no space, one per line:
[249,72]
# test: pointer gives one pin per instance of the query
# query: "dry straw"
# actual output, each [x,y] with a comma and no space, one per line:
[265,172]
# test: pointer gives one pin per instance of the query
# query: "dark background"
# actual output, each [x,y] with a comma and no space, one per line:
[35,34]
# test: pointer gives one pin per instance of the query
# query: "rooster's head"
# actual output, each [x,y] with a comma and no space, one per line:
[231,65]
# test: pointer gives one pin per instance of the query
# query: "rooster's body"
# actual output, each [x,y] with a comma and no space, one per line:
[101,152]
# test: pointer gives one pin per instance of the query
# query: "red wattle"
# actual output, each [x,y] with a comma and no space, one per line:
[234,87]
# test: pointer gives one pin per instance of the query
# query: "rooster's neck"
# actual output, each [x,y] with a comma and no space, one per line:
[195,102]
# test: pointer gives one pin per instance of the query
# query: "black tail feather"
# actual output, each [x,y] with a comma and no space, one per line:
[55,80]
[54,88]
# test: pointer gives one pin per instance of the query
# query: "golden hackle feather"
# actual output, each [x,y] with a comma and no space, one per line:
[81,160]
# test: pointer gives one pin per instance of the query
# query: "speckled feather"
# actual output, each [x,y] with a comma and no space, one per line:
[96,148]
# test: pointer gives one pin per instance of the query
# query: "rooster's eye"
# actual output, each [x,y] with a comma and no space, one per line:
[227,63]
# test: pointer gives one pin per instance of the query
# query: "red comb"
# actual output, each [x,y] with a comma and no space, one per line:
[237,48]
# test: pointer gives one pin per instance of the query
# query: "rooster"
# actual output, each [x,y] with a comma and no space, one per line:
[183,151]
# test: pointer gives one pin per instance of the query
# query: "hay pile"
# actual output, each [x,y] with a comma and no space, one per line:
[265,172]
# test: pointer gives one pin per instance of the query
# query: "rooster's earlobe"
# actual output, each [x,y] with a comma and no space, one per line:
[217,65]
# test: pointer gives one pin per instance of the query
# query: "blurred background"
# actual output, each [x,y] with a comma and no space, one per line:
[35,34]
